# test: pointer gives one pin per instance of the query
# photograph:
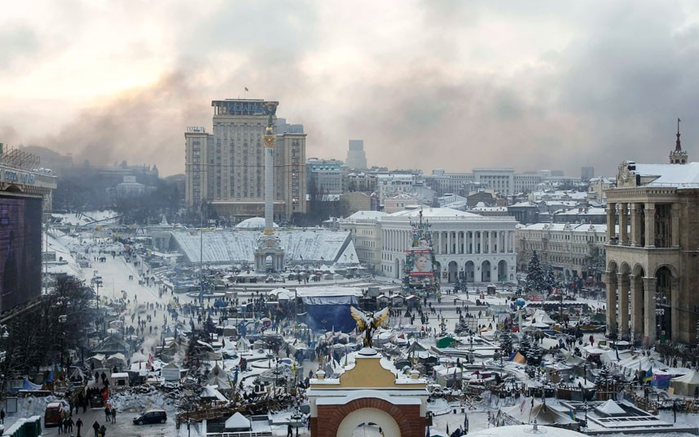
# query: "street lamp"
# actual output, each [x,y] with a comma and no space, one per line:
[62,320]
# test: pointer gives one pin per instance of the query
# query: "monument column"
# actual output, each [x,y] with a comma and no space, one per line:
[611,302]
[269,244]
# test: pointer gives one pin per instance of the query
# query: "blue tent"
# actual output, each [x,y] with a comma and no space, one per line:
[330,313]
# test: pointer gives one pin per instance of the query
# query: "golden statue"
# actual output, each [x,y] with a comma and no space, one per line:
[368,322]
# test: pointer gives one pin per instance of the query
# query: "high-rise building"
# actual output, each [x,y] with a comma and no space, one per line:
[356,158]
[587,173]
[226,168]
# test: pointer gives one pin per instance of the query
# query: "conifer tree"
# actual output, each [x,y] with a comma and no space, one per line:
[536,276]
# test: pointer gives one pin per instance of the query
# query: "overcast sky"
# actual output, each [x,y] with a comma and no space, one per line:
[426,84]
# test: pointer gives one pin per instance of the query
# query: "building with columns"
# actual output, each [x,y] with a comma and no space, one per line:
[481,248]
[652,251]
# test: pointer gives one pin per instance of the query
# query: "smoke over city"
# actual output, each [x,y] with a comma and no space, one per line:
[425,84]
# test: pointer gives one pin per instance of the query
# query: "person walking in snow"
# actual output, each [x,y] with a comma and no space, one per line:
[96,427]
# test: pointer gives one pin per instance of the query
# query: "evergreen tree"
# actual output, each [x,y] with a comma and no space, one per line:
[537,279]
[603,378]
[506,343]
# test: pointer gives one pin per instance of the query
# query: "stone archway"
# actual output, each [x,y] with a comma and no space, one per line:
[502,271]
[341,420]
[453,269]
[665,301]
[485,271]
[469,269]
[388,424]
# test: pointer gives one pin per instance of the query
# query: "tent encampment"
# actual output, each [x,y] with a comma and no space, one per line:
[686,384]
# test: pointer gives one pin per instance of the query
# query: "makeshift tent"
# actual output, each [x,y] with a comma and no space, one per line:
[330,312]
[219,378]
[530,409]
[445,342]
[170,372]
[110,346]
[28,385]
[661,379]
[238,423]
[212,393]
[542,316]
[519,358]
[686,384]
[120,379]
[116,360]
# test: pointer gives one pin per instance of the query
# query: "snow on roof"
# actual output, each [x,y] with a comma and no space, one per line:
[366,215]
[523,204]
[254,223]
[237,421]
[611,408]
[482,207]
[86,218]
[584,227]
[670,174]
[586,211]
[211,392]
[433,212]
[223,246]
[508,431]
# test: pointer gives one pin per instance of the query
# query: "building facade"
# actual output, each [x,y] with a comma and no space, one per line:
[480,248]
[502,180]
[226,168]
[366,236]
[652,266]
[326,174]
[652,262]
[574,251]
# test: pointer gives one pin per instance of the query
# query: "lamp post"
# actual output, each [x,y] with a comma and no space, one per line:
[62,320]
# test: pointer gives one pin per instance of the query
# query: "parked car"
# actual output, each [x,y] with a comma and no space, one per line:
[151,416]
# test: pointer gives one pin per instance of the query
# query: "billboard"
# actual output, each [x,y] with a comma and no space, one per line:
[20,250]
[421,262]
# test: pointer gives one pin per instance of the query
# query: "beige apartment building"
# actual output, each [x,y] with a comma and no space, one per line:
[226,168]
[572,250]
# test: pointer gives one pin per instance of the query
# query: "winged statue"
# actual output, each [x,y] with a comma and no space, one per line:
[368,322]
